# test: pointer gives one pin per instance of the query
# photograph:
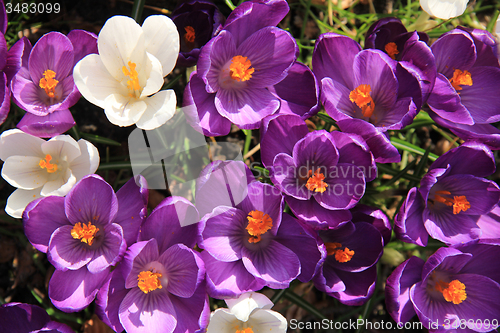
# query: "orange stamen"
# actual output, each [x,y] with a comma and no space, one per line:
[452,292]
[258,224]
[460,79]
[459,203]
[133,83]
[361,97]
[240,69]
[335,249]
[315,182]
[45,164]
[391,49]
[149,281]
[190,34]
[48,83]
[245,330]
[86,233]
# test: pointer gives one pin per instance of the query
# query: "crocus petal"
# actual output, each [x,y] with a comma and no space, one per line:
[122,110]
[444,9]
[19,199]
[409,223]
[489,224]
[359,287]
[109,298]
[447,259]
[243,306]
[65,252]
[307,152]
[59,186]
[285,175]
[454,50]
[48,126]
[137,257]
[328,281]
[267,320]
[154,80]
[5,98]
[84,43]
[194,311]
[41,218]
[87,162]
[73,290]
[28,317]
[24,172]
[482,252]
[376,217]
[16,56]
[15,142]
[317,216]
[221,321]
[110,249]
[63,146]
[345,187]
[449,228]
[160,108]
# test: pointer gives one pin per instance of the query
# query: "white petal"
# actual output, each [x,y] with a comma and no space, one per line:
[61,147]
[243,306]
[16,142]
[444,9]
[24,172]
[162,40]
[154,80]
[59,186]
[267,321]
[94,81]
[160,108]
[121,40]
[221,321]
[18,201]
[124,111]
[87,162]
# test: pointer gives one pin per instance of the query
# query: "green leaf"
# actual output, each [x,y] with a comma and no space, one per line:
[99,139]
[401,144]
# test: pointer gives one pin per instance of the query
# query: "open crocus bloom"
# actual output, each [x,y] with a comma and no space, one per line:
[126,76]
[248,313]
[444,9]
[40,168]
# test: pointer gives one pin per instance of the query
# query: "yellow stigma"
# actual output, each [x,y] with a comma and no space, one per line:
[460,79]
[459,203]
[190,35]
[45,164]
[361,97]
[258,224]
[335,249]
[240,69]
[133,83]
[452,292]
[391,49]
[148,281]
[244,330]
[85,233]
[315,182]
[48,83]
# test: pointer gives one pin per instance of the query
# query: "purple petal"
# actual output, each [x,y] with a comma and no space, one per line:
[328,281]
[409,223]
[132,208]
[5,101]
[138,258]
[288,178]
[451,229]
[171,222]
[229,279]
[484,133]
[346,185]
[483,252]
[47,126]
[317,216]
[28,317]
[481,98]
[3,20]
[316,149]
[16,56]
[73,290]
[83,42]
[335,99]
[454,50]
[359,287]
[490,224]
[3,51]
[92,199]
[194,311]
[377,218]
[109,298]
[398,286]
[65,252]
[110,250]
[41,218]
[445,259]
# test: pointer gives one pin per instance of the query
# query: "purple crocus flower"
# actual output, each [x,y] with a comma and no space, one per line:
[44,85]
[84,234]
[409,48]
[236,67]
[451,198]
[365,91]
[455,290]
[159,287]
[465,97]
[252,244]
[349,272]
[27,318]
[197,22]
[321,174]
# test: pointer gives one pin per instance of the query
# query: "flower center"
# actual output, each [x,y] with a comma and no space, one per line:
[460,79]
[85,233]
[240,69]
[45,164]
[258,224]
[344,255]
[244,330]
[148,281]
[48,83]
[453,291]
[315,182]
[189,35]
[361,97]
[132,84]
[391,49]
[459,203]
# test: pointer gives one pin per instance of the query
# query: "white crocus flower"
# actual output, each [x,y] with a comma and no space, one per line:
[125,77]
[444,9]
[40,168]
[249,313]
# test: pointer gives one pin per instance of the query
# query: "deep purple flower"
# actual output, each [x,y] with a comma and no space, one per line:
[349,272]
[197,22]
[27,318]
[236,67]
[465,97]
[84,234]
[374,216]
[321,174]
[455,290]
[159,287]
[365,91]
[409,48]
[252,244]
[451,198]
[44,85]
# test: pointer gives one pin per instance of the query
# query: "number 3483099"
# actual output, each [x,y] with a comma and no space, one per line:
[33,8]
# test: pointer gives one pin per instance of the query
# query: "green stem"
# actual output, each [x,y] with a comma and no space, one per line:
[294,298]
[137,10]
